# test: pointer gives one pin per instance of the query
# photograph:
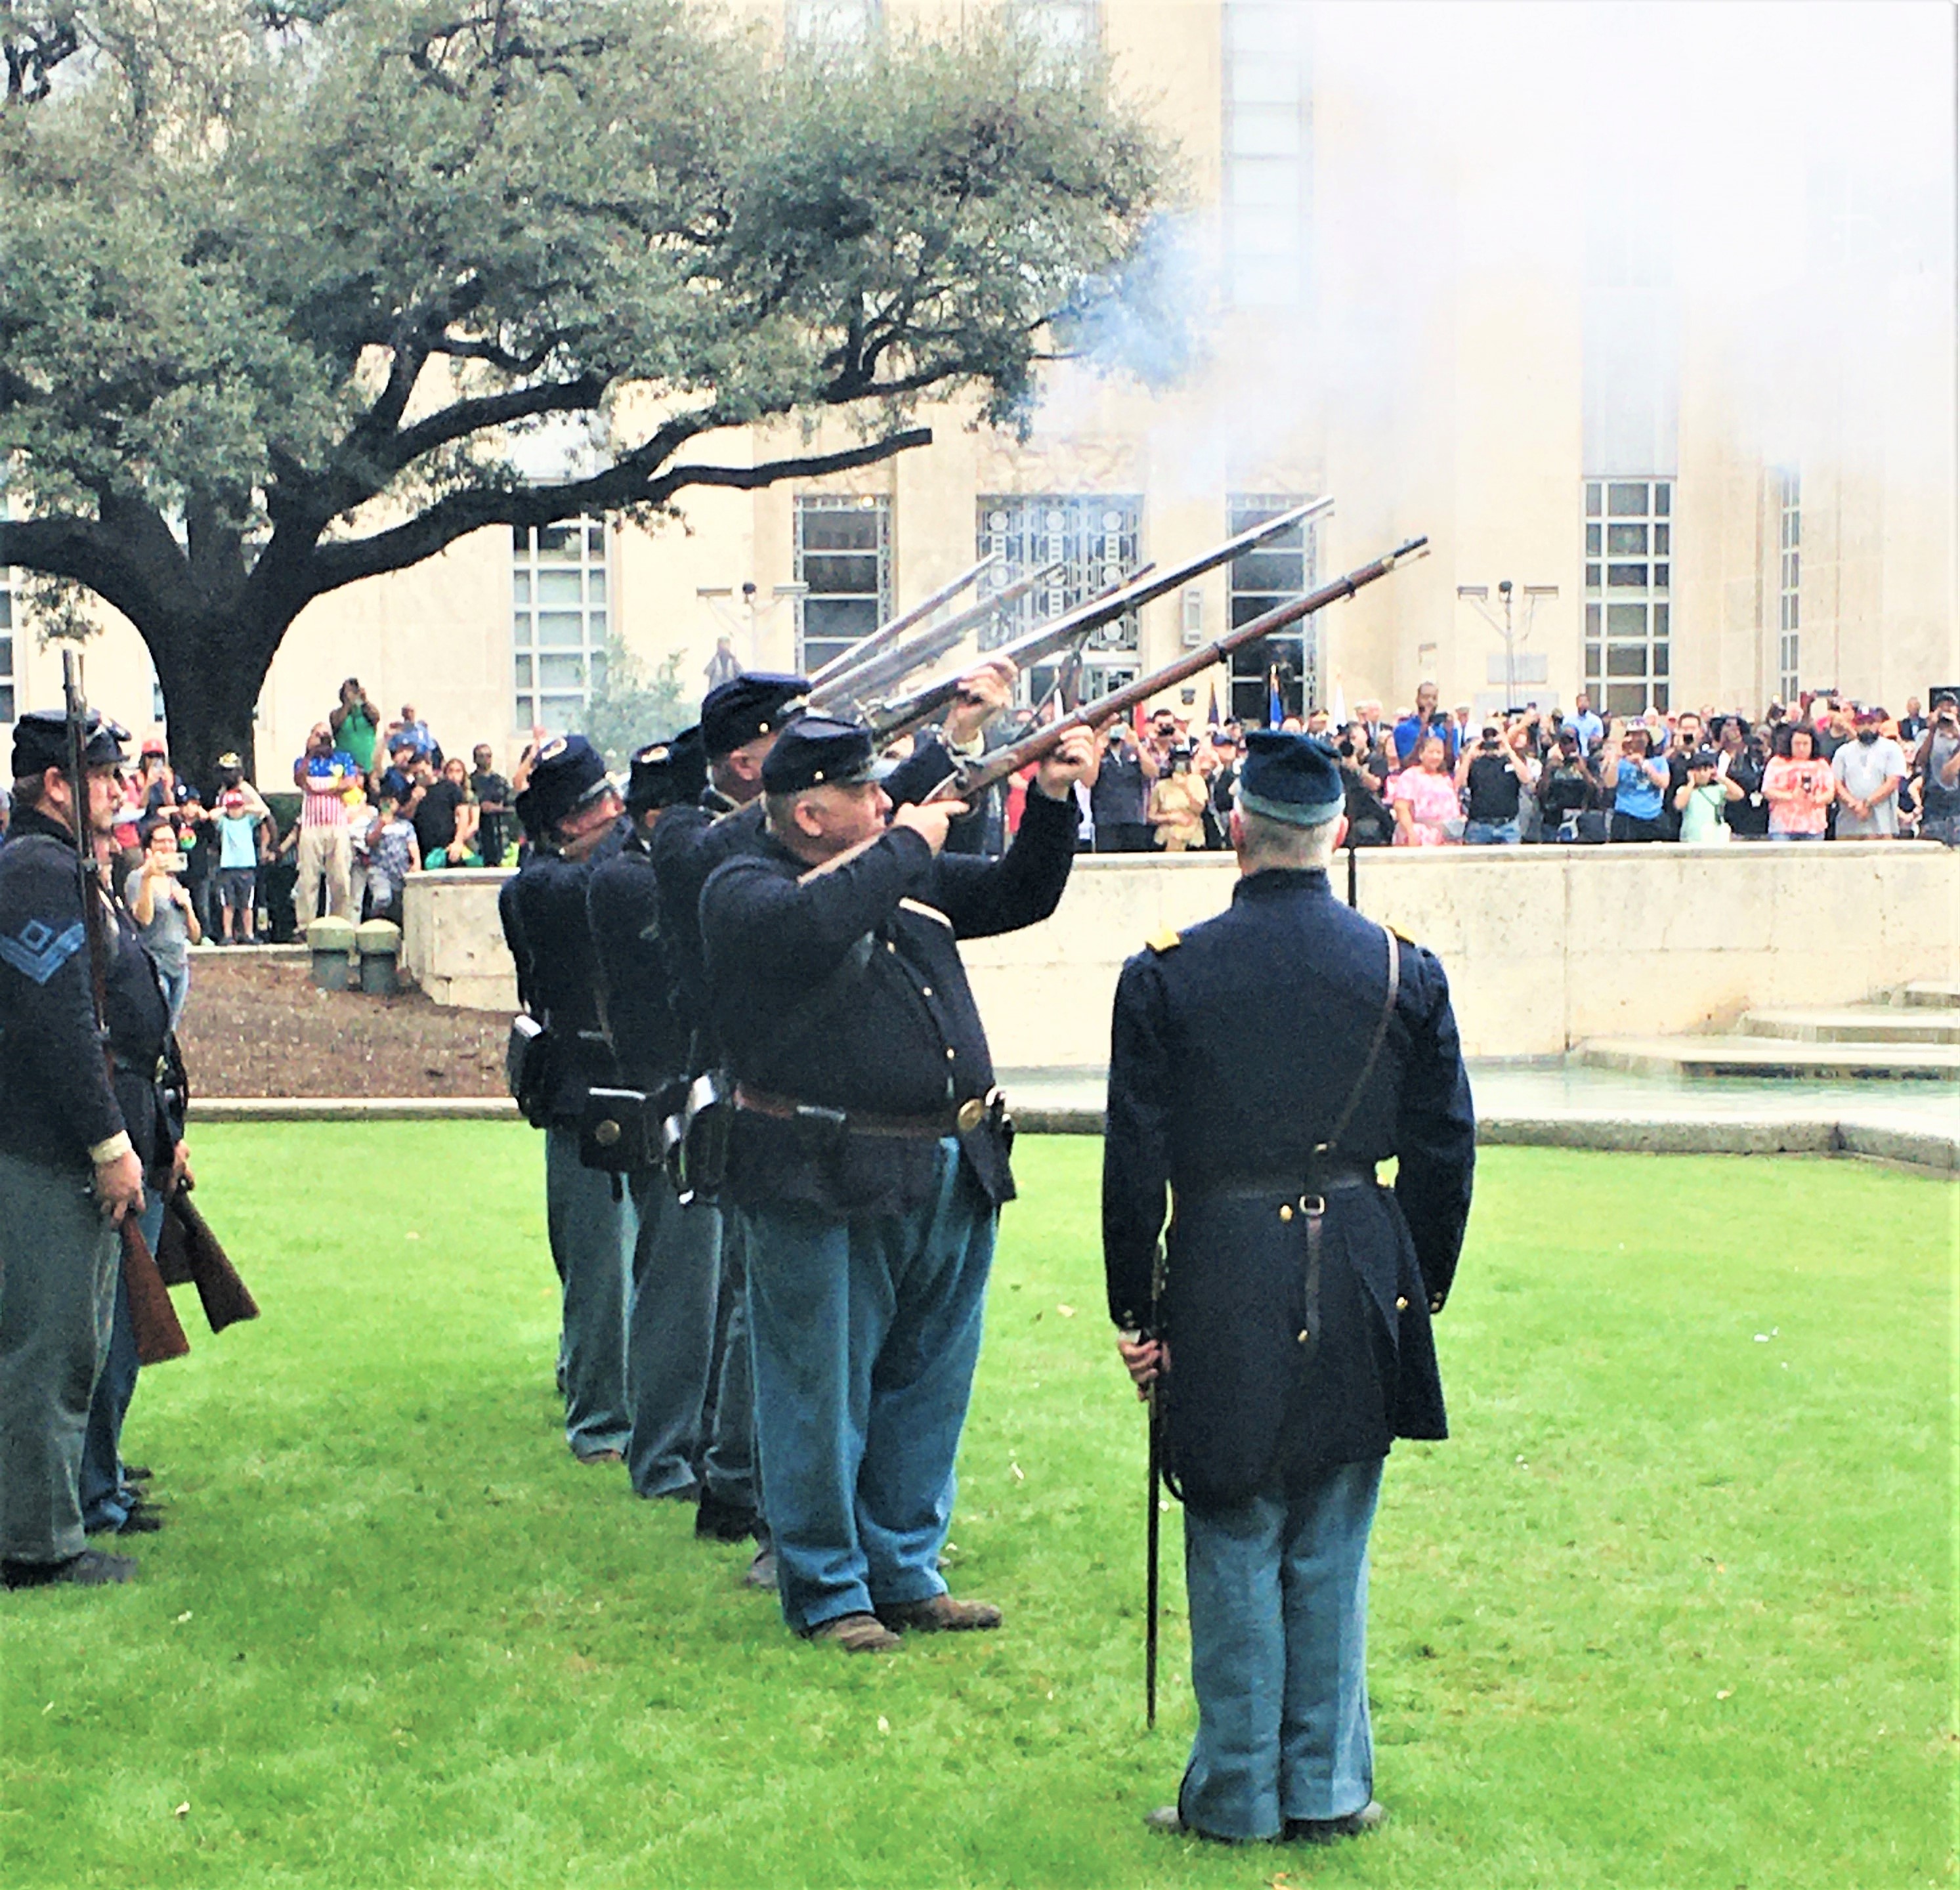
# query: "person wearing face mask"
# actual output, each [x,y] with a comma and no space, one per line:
[1869,771]
[868,1159]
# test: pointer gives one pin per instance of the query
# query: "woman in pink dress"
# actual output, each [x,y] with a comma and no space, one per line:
[1424,798]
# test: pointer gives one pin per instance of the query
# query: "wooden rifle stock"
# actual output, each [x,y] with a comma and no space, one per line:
[190,1250]
[965,782]
[159,1332]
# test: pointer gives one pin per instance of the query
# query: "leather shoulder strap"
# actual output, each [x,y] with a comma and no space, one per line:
[1332,1146]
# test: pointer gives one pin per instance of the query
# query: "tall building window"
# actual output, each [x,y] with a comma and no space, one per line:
[1629,532]
[558,619]
[1095,536]
[1789,575]
[1282,567]
[1064,26]
[1268,166]
[6,639]
[844,555]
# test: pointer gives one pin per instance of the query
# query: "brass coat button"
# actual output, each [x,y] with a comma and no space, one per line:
[1286,1212]
[1401,1302]
[1306,1338]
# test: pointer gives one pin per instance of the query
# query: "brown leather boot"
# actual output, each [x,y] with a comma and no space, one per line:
[940,1614]
[855,1634]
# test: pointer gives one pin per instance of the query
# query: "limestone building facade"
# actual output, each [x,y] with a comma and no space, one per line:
[1592,296]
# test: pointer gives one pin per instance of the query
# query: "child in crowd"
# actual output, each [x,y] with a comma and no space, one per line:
[393,854]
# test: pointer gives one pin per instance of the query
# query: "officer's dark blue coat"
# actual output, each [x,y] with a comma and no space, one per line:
[1235,1047]
[56,1098]
[544,923]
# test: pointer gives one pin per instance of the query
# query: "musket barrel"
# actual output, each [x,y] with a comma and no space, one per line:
[1004,761]
[890,720]
[897,660]
[886,634]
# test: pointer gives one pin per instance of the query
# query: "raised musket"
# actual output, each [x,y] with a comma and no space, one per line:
[965,781]
[886,634]
[846,692]
[888,720]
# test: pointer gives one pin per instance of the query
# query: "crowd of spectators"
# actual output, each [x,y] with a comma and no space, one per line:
[1824,768]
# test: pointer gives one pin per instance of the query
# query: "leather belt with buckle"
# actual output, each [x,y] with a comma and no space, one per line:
[941,1123]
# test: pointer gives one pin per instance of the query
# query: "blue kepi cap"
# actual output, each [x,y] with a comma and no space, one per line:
[1296,778]
[816,752]
[567,773]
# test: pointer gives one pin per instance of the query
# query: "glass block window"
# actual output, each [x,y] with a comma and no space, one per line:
[1790,538]
[1096,538]
[1268,120]
[844,555]
[1629,527]
[1282,567]
[830,26]
[559,603]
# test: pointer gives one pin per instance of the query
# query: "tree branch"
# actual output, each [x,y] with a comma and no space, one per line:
[123,563]
[346,561]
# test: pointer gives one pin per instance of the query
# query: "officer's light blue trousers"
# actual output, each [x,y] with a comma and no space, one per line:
[865,1333]
[592,1245]
[106,1497]
[58,1259]
[670,1334]
[1278,1593]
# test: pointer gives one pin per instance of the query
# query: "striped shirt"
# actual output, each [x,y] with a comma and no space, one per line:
[326,780]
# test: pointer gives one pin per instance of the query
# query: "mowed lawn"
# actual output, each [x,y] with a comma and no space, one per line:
[1673,1608]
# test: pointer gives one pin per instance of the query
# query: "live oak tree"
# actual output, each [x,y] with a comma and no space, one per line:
[280,285]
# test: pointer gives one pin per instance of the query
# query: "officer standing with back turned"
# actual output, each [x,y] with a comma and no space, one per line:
[71,1168]
[1289,1340]
[573,810]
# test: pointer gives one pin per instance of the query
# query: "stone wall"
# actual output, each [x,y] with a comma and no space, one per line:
[1545,946]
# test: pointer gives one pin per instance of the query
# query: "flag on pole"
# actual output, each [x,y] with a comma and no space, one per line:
[1275,701]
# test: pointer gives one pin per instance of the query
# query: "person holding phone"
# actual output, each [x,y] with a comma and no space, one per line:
[165,914]
[1799,786]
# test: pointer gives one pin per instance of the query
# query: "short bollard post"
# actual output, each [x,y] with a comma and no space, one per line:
[380,941]
[331,941]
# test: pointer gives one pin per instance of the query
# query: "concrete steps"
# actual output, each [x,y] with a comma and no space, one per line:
[1930,994]
[1856,1023]
[1791,1058]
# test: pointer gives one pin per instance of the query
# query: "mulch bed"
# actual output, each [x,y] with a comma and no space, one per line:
[255,1027]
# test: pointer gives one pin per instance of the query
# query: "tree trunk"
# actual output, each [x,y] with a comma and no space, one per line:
[212,672]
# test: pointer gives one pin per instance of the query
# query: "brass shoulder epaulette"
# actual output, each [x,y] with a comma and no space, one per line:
[1168,939]
[1404,938]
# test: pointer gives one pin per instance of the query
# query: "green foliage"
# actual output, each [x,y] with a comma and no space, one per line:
[631,707]
[1671,1608]
[235,252]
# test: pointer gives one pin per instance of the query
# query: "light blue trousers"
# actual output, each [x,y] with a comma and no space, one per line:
[1279,1592]
[865,1333]
[107,1497]
[669,1334]
[58,1261]
[592,1246]
[728,1469]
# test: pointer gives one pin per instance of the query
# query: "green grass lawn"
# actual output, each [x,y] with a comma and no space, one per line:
[1673,1608]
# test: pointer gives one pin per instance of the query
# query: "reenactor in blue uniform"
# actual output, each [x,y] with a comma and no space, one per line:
[868,1161]
[573,809]
[1289,1341]
[77,1146]
[741,720]
[677,1249]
